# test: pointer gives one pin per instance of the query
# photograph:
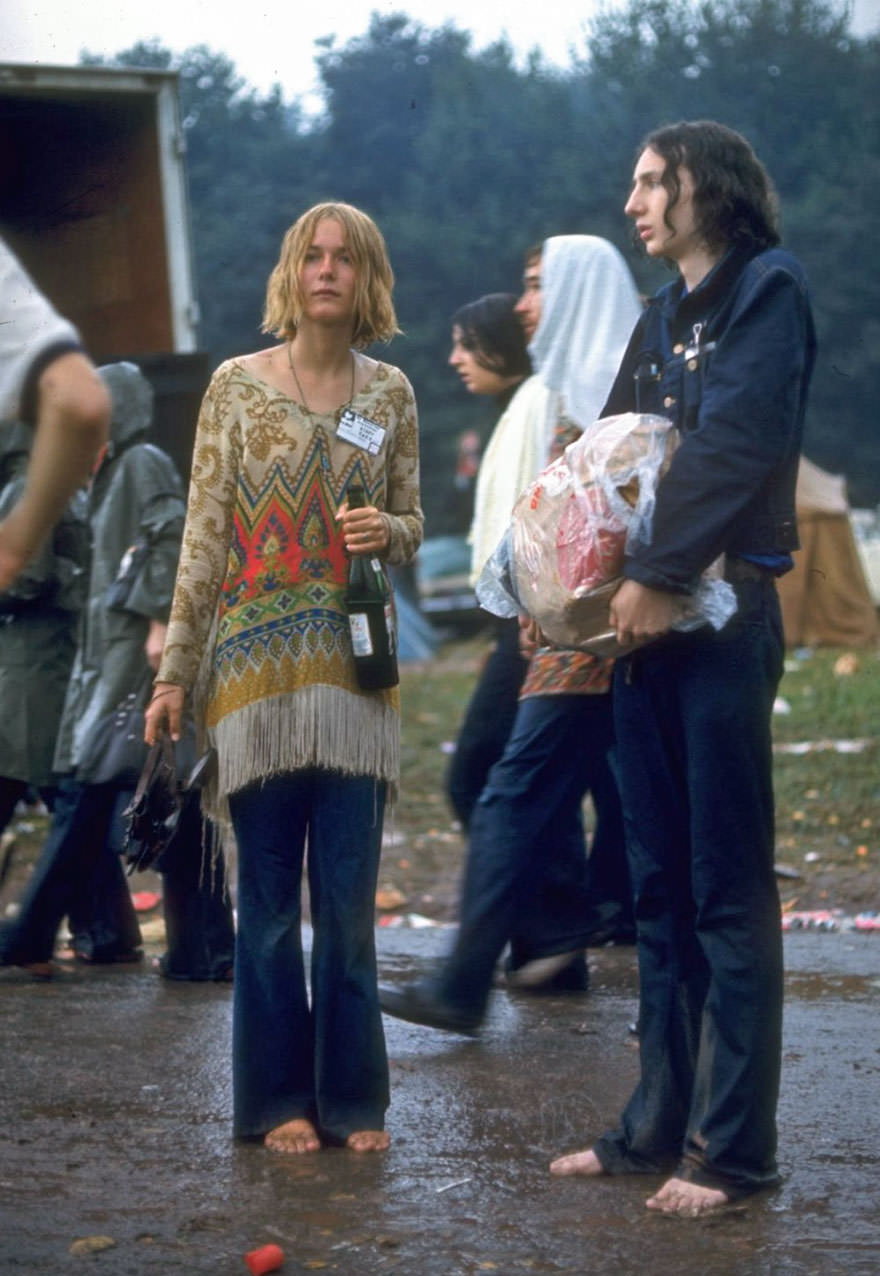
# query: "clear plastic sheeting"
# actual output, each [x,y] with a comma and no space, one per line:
[562,556]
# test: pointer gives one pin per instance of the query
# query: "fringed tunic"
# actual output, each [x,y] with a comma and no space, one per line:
[258,631]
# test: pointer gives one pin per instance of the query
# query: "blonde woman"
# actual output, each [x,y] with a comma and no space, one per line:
[259,637]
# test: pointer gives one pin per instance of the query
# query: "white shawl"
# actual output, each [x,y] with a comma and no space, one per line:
[514,454]
[589,308]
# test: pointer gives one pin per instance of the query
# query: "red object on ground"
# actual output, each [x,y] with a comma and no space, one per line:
[145,901]
[268,1258]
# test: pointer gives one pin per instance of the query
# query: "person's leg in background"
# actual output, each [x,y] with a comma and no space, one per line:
[11,793]
[78,832]
[103,922]
[545,769]
[199,931]
[609,882]
[488,720]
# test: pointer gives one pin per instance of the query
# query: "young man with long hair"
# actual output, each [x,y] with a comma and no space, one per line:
[726,351]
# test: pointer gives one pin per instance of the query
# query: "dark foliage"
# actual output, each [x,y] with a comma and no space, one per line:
[466,158]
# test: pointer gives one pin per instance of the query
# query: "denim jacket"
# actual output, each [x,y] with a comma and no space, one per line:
[730,364]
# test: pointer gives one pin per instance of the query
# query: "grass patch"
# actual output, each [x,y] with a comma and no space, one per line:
[827,796]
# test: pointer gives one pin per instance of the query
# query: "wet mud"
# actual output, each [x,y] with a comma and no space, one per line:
[115,1109]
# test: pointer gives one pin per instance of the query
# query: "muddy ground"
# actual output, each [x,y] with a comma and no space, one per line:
[116,1156]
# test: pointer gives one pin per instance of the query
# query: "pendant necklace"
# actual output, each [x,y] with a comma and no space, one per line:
[302,397]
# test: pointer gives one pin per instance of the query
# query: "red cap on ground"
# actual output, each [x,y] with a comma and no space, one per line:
[268,1258]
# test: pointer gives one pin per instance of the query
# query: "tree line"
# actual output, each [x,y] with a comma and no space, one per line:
[466,158]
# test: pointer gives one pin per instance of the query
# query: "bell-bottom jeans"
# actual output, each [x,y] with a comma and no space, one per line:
[322,1058]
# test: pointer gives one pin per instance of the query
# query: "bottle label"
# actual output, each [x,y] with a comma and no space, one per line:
[361,642]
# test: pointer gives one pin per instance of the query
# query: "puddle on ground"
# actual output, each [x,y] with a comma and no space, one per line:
[812,985]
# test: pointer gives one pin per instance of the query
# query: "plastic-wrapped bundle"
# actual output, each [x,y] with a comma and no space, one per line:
[561,559]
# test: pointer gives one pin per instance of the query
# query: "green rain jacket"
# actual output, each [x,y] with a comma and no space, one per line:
[136,515]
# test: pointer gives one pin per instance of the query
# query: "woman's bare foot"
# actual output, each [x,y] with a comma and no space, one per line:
[687,1200]
[577,1163]
[368,1141]
[293,1137]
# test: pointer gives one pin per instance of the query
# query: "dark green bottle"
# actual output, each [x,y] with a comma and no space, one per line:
[370,615]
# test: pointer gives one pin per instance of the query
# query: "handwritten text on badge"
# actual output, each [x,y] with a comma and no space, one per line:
[361,431]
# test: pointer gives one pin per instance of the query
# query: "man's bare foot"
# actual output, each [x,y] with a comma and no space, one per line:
[368,1141]
[293,1137]
[577,1163]
[687,1200]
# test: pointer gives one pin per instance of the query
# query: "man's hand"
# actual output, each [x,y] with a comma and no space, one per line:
[639,614]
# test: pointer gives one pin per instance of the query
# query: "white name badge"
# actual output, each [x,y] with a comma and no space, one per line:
[361,431]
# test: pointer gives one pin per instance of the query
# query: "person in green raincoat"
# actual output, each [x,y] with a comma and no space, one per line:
[136,511]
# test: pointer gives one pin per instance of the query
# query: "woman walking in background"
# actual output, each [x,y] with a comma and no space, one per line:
[489,354]
[259,638]
[527,880]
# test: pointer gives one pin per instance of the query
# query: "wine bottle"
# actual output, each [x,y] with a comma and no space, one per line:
[370,615]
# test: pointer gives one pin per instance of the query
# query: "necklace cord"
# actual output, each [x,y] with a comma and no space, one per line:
[302,396]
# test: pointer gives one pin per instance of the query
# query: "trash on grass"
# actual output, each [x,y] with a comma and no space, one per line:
[388,898]
[799,747]
[91,1245]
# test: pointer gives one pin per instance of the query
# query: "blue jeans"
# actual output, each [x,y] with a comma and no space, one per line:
[488,720]
[558,749]
[199,929]
[78,875]
[693,716]
[325,1061]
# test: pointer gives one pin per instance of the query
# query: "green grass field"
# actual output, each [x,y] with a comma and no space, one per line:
[827,777]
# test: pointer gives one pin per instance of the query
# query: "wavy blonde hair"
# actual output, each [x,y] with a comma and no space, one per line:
[374,317]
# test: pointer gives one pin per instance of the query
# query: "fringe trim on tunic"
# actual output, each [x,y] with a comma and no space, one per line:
[318,726]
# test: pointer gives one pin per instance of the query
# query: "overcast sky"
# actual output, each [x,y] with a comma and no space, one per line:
[274,42]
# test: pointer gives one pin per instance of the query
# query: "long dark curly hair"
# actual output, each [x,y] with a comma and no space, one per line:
[734,199]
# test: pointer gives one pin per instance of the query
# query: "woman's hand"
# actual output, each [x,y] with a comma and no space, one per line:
[530,636]
[164,712]
[364,530]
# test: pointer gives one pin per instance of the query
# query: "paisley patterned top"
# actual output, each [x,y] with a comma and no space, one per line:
[258,630]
